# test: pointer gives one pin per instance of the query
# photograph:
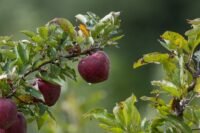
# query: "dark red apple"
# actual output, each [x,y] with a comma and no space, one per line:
[19,126]
[8,113]
[94,68]
[50,91]
[2,131]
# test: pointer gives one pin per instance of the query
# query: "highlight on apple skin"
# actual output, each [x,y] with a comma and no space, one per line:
[50,91]
[94,68]
[8,113]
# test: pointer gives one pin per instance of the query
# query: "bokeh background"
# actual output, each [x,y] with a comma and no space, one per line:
[142,23]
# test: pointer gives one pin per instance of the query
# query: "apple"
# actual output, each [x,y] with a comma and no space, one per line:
[19,126]
[94,68]
[2,131]
[50,91]
[8,113]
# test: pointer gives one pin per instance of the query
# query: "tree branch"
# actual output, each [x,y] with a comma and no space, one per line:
[196,129]
[85,52]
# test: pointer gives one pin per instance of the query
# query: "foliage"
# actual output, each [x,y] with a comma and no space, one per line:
[47,54]
[174,97]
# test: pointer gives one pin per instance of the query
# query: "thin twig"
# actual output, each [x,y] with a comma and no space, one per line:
[191,86]
[196,129]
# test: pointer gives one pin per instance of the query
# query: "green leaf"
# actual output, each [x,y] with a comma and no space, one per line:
[154,57]
[157,122]
[51,115]
[169,123]
[155,100]
[41,120]
[168,87]
[28,33]
[5,38]
[43,31]
[33,92]
[127,115]
[112,129]
[66,25]
[116,38]
[178,123]
[193,37]
[95,31]
[7,53]
[126,118]
[102,116]
[42,109]
[22,52]
[37,39]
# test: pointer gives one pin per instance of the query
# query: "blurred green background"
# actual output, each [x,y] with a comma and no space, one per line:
[142,23]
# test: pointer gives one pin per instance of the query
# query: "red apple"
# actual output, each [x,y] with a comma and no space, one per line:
[94,68]
[2,131]
[19,126]
[50,91]
[8,113]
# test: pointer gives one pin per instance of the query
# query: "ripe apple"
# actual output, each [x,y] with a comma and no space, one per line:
[94,68]
[50,91]
[2,131]
[19,126]
[8,113]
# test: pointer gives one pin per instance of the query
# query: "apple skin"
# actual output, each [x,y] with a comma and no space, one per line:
[8,113]
[50,92]
[19,126]
[94,68]
[2,131]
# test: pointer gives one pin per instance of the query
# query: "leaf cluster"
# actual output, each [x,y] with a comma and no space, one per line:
[175,97]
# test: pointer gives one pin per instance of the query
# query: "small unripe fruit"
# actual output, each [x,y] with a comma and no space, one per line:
[95,67]
[19,126]
[50,92]
[8,113]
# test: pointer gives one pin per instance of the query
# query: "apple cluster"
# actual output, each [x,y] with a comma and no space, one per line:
[12,121]
[94,68]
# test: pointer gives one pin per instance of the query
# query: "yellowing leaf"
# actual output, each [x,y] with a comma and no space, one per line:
[84,29]
[174,38]
[197,86]
[26,98]
[154,57]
